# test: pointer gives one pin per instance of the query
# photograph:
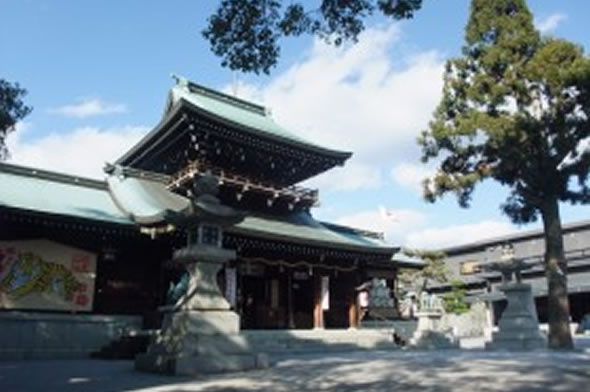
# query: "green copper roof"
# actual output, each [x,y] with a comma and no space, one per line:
[302,228]
[47,192]
[247,116]
[255,117]
[53,193]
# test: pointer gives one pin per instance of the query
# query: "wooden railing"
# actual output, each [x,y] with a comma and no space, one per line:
[292,193]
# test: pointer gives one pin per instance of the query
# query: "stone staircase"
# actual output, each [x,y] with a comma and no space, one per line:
[319,341]
[272,342]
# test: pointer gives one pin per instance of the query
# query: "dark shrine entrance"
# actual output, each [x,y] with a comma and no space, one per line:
[271,297]
[302,291]
[279,297]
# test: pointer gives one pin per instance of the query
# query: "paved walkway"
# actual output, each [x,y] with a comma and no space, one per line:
[442,371]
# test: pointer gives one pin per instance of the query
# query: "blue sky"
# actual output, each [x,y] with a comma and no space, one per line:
[98,74]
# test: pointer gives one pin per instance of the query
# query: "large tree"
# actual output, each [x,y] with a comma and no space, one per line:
[514,105]
[246,33]
[12,109]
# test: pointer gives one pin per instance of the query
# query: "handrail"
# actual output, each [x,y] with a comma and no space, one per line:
[294,192]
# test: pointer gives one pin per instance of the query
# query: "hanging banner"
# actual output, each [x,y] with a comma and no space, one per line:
[325,293]
[45,275]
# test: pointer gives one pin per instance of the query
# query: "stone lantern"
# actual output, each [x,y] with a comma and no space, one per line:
[200,332]
[518,327]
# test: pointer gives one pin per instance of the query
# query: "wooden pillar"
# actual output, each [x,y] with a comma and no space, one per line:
[353,305]
[318,312]
[353,311]
[290,317]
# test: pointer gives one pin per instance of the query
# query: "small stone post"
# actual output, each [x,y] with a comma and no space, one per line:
[428,334]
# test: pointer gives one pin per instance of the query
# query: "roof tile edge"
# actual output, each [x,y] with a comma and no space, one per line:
[33,172]
[242,103]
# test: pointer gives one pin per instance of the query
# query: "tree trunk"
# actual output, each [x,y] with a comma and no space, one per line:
[558,308]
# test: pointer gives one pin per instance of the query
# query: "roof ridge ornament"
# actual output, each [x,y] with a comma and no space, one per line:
[181,81]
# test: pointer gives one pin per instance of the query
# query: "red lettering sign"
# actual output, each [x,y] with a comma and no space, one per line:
[81,263]
[82,300]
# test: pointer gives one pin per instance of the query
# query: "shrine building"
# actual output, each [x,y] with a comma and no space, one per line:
[77,267]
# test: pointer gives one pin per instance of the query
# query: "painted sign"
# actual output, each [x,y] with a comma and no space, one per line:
[45,275]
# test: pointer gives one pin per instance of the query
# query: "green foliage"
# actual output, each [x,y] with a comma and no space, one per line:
[434,270]
[246,33]
[12,109]
[514,105]
[454,301]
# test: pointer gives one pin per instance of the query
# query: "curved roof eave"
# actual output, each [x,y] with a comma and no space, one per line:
[174,109]
[337,154]
[129,155]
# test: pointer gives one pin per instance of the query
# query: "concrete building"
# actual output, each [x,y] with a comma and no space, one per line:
[463,263]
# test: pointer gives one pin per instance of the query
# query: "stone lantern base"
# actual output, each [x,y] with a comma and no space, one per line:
[199,342]
[200,334]
[428,334]
[518,328]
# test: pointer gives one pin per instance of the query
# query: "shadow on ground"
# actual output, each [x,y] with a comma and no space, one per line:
[369,372]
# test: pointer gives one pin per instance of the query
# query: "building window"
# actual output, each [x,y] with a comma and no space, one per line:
[469,267]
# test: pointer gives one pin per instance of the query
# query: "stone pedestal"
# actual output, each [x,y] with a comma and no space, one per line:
[203,291]
[200,334]
[518,328]
[428,334]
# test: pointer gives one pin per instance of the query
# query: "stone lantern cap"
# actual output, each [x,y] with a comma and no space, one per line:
[508,265]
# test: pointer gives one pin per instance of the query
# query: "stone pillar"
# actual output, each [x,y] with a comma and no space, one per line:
[203,292]
[518,327]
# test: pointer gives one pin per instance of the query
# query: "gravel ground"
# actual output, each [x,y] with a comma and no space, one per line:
[444,371]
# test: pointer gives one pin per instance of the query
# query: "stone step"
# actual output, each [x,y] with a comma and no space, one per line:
[517,344]
[196,365]
[318,340]
[518,334]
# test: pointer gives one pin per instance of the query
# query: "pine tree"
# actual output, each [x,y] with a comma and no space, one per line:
[246,33]
[434,270]
[12,109]
[514,105]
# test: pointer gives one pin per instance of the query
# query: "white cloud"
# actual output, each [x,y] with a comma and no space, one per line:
[82,151]
[357,98]
[442,237]
[550,23]
[89,107]
[411,176]
[394,226]
[353,176]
